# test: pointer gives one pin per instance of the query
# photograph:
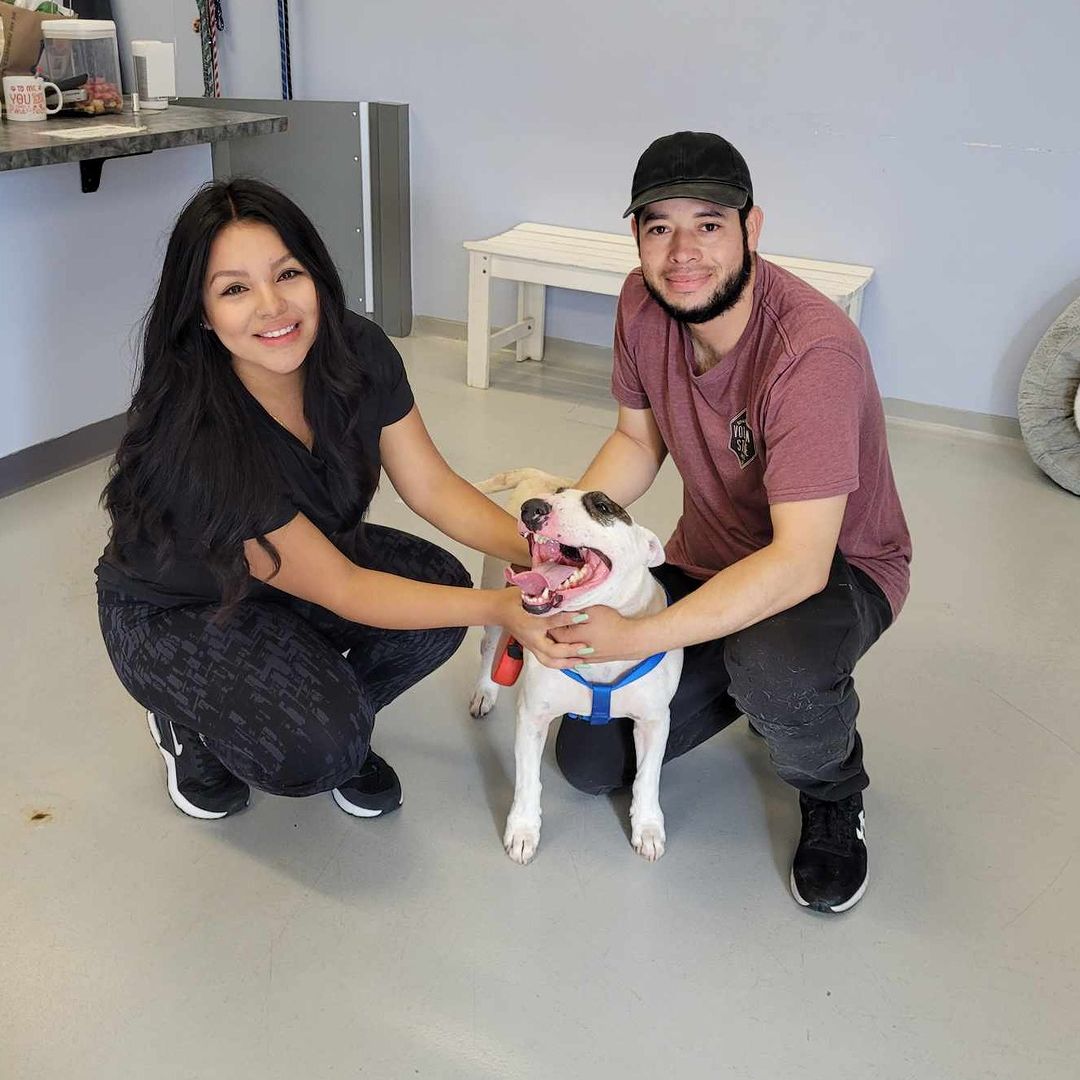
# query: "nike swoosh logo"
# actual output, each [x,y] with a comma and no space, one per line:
[860,829]
[176,742]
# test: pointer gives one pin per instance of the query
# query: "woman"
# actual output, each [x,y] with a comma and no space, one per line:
[238,572]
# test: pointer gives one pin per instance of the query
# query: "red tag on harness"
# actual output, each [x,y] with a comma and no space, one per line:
[509,659]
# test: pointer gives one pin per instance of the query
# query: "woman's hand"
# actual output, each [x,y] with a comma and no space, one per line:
[533,631]
[607,635]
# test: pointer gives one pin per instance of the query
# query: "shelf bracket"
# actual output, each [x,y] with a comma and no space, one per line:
[90,169]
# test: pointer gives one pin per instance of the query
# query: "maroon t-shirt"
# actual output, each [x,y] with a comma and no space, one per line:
[792,412]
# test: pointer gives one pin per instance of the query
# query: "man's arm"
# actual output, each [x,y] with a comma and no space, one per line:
[794,566]
[628,462]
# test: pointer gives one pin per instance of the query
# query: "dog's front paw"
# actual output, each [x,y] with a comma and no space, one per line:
[648,840]
[483,699]
[521,841]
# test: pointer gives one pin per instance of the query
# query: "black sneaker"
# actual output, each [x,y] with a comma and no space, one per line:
[828,872]
[199,784]
[375,790]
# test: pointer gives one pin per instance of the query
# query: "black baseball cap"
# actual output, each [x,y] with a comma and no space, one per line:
[691,165]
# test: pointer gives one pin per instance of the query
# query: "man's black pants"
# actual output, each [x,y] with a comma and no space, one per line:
[791,674]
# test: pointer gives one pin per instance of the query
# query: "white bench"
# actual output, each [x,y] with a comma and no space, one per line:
[536,256]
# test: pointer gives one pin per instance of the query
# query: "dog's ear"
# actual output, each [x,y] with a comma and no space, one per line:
[653,546]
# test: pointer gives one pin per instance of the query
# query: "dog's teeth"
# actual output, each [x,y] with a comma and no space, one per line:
[577,576]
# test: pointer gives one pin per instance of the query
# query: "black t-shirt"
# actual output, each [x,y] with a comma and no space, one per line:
[302,482]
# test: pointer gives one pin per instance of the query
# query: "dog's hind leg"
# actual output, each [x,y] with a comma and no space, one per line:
[646,818]
[522,835]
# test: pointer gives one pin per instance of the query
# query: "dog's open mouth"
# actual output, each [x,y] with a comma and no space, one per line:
[559,574]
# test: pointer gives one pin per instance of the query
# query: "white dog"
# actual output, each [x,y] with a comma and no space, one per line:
[586,550]
[523,484]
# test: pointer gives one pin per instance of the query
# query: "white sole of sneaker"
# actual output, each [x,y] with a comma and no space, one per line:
[839,907]
[358,811]
[178,799]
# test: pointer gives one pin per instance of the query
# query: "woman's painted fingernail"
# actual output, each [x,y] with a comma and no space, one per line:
[580,617]
[586,650]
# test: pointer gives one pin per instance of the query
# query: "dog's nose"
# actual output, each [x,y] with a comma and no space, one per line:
[534,513]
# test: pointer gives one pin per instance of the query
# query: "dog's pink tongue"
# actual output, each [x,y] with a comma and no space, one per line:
[528,581]
[546,576]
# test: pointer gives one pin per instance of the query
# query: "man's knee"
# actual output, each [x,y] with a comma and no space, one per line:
[781,674]
[594,759]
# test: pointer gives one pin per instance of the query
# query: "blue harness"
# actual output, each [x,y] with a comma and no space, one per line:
[601,692]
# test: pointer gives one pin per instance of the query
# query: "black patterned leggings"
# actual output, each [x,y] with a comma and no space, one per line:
[269,690]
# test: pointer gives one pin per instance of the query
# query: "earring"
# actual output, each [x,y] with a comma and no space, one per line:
[205,325]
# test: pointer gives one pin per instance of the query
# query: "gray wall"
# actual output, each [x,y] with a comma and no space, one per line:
[936,142]
[248,48]
[78,273]
[80,269]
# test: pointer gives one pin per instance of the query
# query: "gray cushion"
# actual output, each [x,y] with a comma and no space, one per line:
[1050,398]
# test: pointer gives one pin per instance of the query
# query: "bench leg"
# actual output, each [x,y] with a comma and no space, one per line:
[479,326]
[531,305]
[854,307]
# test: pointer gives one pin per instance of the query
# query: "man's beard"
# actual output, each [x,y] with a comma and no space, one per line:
[727,294]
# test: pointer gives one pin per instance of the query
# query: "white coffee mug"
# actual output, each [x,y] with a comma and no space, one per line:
[24,97]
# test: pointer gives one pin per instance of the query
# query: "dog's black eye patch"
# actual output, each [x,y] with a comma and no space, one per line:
[602,509]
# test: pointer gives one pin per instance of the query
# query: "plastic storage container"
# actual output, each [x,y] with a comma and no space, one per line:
[81,56]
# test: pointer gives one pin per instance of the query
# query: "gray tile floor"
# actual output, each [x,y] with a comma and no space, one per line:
[294,941]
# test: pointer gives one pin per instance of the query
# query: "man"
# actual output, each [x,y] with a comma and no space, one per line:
[791,556]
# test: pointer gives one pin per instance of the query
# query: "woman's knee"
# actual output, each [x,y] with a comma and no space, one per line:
[397,552]
[448,641]
[449,570]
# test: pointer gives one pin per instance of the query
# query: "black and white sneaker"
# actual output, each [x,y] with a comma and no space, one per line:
[828,872]
[199,784]
[374,791]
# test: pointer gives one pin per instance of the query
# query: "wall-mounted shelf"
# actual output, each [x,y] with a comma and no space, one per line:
[92,141]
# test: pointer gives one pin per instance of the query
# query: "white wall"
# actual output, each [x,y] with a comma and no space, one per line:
[936,142]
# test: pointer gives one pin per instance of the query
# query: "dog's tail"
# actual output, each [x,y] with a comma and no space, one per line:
[504,481]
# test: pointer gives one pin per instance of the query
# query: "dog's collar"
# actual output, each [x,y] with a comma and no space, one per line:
[601,692]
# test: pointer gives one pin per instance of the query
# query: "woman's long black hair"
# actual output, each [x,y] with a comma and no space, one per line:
[188,432]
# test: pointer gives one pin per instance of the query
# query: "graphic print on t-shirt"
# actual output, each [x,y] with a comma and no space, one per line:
[742,440]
